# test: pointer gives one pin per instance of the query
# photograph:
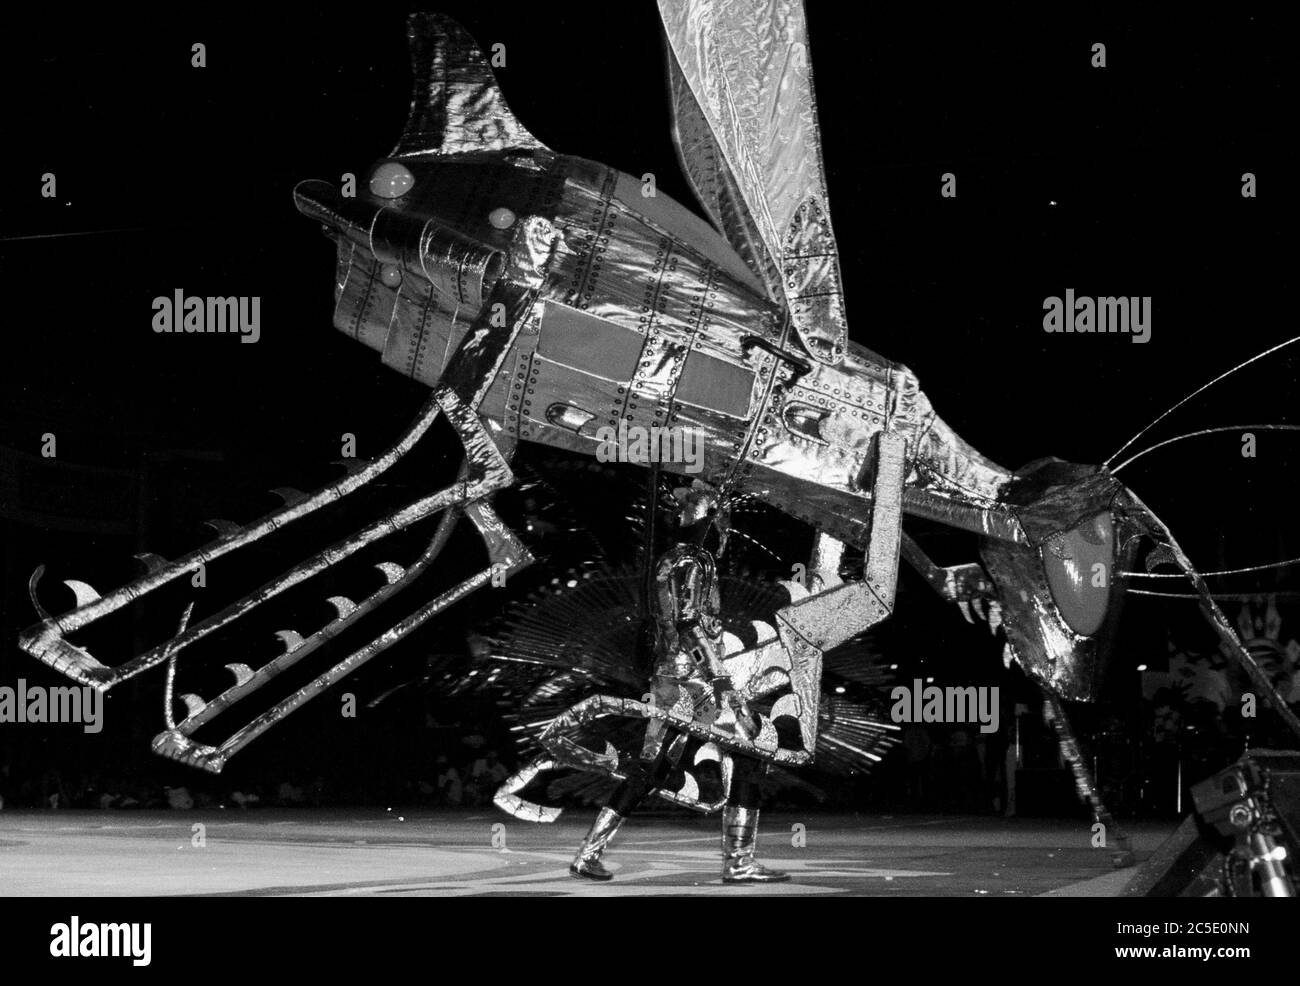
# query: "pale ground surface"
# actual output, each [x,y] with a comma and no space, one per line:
[394,853]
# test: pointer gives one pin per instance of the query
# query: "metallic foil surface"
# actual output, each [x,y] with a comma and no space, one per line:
[1048,498]
[565,643]
[546,299]
[746,126]
[457,106]
[646,317]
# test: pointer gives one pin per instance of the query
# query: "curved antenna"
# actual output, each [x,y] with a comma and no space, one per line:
[1218,622]
[1196,434]
[1235,596]
[1199,390]
[1222,571]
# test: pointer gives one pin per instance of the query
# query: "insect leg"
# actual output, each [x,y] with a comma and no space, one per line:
[1085,783]
[467,498]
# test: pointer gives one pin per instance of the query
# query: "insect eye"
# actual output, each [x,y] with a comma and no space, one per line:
[1080,570]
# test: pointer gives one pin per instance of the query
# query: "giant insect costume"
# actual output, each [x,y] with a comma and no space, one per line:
[543,298]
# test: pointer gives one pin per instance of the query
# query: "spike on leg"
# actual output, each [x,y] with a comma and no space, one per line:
[467,498]
[177,746]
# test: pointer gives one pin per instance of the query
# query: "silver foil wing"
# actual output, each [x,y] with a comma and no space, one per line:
[745,123]
[710,177]
[457,106]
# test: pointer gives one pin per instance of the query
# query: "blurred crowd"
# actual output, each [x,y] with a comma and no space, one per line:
[468,780]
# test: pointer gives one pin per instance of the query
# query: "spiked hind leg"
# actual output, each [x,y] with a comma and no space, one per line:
[467,499]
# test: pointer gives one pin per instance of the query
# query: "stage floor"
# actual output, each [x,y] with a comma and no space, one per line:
[421,853]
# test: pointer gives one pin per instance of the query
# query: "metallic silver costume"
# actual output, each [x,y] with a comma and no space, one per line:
[544,298]
[691,680]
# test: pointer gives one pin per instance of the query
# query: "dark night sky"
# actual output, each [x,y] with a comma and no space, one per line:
[1120,181]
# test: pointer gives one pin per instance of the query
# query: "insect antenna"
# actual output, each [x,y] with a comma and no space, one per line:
[1203,431]
[1199,390]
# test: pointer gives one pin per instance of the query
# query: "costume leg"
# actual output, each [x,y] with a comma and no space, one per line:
[1085,783]
[627,797]
[740,827]
[587,862]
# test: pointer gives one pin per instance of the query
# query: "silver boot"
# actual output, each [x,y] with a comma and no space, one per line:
[739,834]
[587,862]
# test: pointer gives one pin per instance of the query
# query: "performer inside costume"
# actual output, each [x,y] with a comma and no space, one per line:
[688,678]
